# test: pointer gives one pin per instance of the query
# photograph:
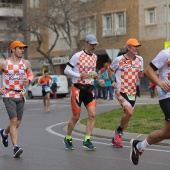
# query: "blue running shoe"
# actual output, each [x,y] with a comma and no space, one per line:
[17,151]
[4,139]
[68,144]
[88,145]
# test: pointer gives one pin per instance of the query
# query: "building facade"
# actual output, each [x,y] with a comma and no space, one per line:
[112,21]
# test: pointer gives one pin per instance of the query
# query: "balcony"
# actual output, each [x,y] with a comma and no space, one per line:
[11,10]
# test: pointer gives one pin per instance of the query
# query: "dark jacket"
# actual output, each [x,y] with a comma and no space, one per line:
[54,87]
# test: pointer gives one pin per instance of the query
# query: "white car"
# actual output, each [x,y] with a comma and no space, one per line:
[62,86]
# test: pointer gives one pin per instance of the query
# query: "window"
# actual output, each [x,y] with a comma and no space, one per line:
[120,24]
[107,24]
[87,26]
[34,3]
[150,16]
[114,24]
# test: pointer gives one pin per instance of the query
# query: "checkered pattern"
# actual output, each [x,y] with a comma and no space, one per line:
[129,74]
[123,102]
[86,64]
[13,78]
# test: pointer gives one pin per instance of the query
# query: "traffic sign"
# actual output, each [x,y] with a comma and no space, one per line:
[166,45]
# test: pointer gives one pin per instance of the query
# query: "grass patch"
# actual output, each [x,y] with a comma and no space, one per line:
[144,120]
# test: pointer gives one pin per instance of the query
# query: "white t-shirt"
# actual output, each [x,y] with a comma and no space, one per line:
[162,63]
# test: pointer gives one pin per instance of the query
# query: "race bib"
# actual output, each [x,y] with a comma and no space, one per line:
[92,74]
[47,89]
[131,96]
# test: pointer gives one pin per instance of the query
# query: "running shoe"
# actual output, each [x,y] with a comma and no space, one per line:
[135,153]
[117,140]
[4,139]
[88,145]
[68,144]
[17,151]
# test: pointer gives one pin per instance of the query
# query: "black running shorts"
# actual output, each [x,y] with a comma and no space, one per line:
[165,106]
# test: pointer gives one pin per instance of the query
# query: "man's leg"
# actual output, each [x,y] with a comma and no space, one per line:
[44,102]
[128,112]
[91,109]
[72,123]
[137,146]
[14,124]
[48,102]
[76,109]
[159,135]
[91,119]
[15,109]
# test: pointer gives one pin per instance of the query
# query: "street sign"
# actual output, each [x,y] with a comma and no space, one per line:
[166,45]
[112,53]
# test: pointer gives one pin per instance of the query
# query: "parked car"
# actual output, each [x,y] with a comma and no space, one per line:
[62,86]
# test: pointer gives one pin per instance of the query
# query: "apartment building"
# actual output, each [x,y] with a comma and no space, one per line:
[10,11]
[113,22]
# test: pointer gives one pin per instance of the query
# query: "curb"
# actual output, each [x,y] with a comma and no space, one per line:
[108,134]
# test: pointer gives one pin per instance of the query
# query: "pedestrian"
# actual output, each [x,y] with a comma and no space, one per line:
[127,68]
[152,87]
[160,63]
[80,67]
[101,89]
[54,89]
[17,74]
[108,88]
[44,81]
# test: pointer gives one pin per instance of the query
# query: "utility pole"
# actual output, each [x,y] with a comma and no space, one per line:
[24,20]
[167,20]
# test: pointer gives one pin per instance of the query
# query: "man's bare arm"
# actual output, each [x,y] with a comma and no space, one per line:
[150,73]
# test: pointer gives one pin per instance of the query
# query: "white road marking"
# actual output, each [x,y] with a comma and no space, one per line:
[49,129]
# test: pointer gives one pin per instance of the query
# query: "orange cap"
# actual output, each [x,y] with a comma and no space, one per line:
[17,44]
[132,41]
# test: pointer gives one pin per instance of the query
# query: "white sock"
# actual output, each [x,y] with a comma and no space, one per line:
[142,145]
[4,134]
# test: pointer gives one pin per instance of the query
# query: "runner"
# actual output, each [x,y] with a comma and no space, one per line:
[160,63]
[128,68]
[17,74]
[45,83]
[82,67]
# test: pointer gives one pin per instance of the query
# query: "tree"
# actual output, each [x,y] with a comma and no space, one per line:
[61,18]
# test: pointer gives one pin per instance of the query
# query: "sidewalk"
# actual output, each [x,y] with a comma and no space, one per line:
[108,134]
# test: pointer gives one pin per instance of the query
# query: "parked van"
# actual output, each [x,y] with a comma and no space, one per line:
[62,86]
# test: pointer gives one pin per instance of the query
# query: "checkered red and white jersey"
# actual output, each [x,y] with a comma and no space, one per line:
[13,78]
[127,73]
[83,63]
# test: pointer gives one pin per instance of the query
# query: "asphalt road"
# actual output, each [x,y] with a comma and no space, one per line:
[41,137]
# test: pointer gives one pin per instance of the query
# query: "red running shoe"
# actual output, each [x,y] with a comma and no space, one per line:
[117,140]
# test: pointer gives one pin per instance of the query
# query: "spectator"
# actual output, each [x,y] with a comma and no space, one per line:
[107,86]
[152,89]
[54,89]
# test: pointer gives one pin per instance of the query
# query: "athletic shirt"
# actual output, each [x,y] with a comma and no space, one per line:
[162,63]
[45,79]
[83,63]
[127,73]
[13,78]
